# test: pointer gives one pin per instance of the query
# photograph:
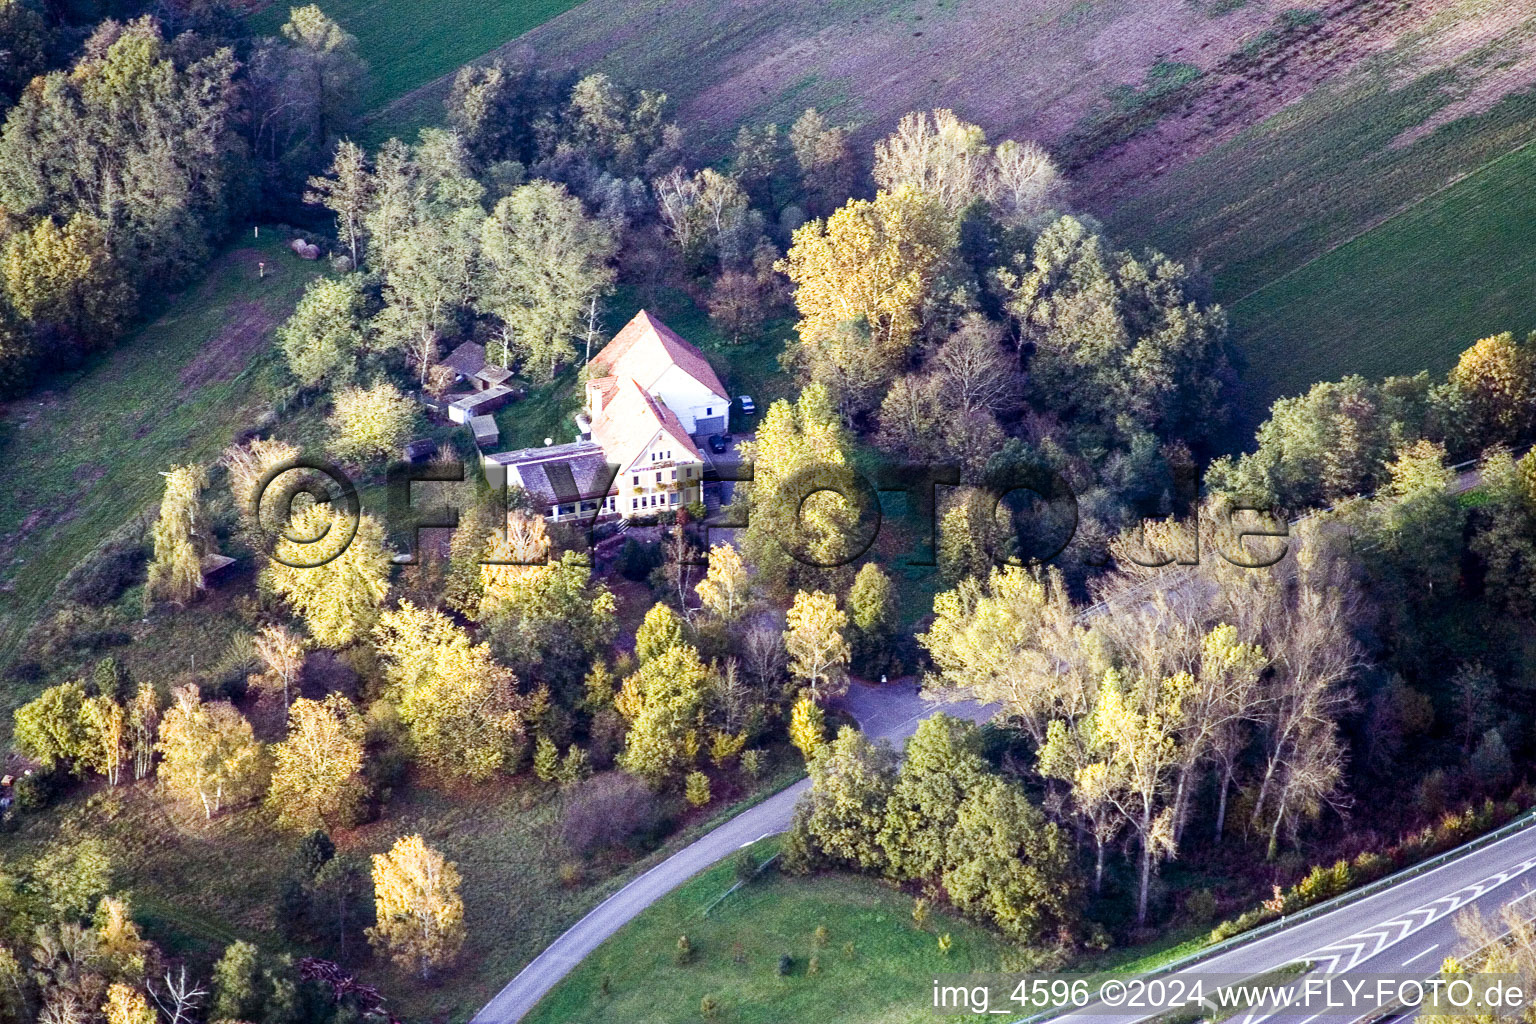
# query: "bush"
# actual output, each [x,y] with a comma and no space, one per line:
[102,578]
[636,560]
[1200,906]
[684,952]
[746,867]
[607,810]
[786,964]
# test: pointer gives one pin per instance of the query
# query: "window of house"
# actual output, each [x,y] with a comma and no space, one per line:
[674,474]
[637,479]
[674,497]
[709,411]
[658,478]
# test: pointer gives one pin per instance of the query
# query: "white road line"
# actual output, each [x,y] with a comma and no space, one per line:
[1415,956]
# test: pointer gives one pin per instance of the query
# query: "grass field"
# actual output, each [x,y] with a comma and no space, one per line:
[409,44]
[633,978]
[85,455]
[1409,295]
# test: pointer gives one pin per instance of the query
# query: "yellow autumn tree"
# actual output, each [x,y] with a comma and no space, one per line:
[726,587]
[418,907]
[181,539]
[335,583]
[807,728]
[813,638]
[872,264]
[127,1005]
[461,708]
[1495,379]
[208,751]
[317,771]
[516,565]
[371,423]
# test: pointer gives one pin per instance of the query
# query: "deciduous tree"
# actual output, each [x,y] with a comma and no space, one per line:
[317,771]
[417,904]
[207,751]
[335,578]
[818,652]
[461,708]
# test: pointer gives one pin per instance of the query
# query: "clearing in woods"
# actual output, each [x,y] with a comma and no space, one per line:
[86,454]
[1254,136]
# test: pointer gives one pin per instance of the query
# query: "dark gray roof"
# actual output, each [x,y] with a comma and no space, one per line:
[468,359]
[484,401]
[560,474]
[494,374]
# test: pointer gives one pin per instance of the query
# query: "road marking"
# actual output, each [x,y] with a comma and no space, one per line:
[1415,956]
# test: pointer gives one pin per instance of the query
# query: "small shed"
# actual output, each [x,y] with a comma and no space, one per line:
[486,431]
[420,450]
[466,360]
[213,566]
[491,375]
[480,403]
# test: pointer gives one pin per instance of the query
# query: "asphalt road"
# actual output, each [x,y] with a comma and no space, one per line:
[1406,929]
[890,712]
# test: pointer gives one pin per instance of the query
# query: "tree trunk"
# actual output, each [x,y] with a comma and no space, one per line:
[1221,804]
[1098,866]
[1146,881]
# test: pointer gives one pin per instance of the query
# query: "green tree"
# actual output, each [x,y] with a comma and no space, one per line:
[664,702]
[323,337]
[182,537]
[621,131]
[800,446]
[346,189]
[24,43]
[52,727]
[1008,864]
[333,576]
[140,137]
[335,71]
[726,588]
[1117,340]
[208,751]
[942,765]
[66,282]
[661,630]
[462,710]
[372,422]
[824,159]
[545,261]
[841,816]
[871,609]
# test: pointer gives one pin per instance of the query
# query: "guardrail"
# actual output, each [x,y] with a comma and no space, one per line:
[1512,827]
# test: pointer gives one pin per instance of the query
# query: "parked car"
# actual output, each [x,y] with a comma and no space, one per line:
[747,405]
[717,444]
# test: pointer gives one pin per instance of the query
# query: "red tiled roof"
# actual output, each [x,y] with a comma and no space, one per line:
[628,422]
[646,347]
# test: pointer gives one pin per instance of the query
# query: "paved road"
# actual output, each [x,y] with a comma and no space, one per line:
[1406,929]
[890,712]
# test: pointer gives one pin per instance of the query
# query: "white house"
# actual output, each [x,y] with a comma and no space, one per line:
[652,355]
[651,394]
